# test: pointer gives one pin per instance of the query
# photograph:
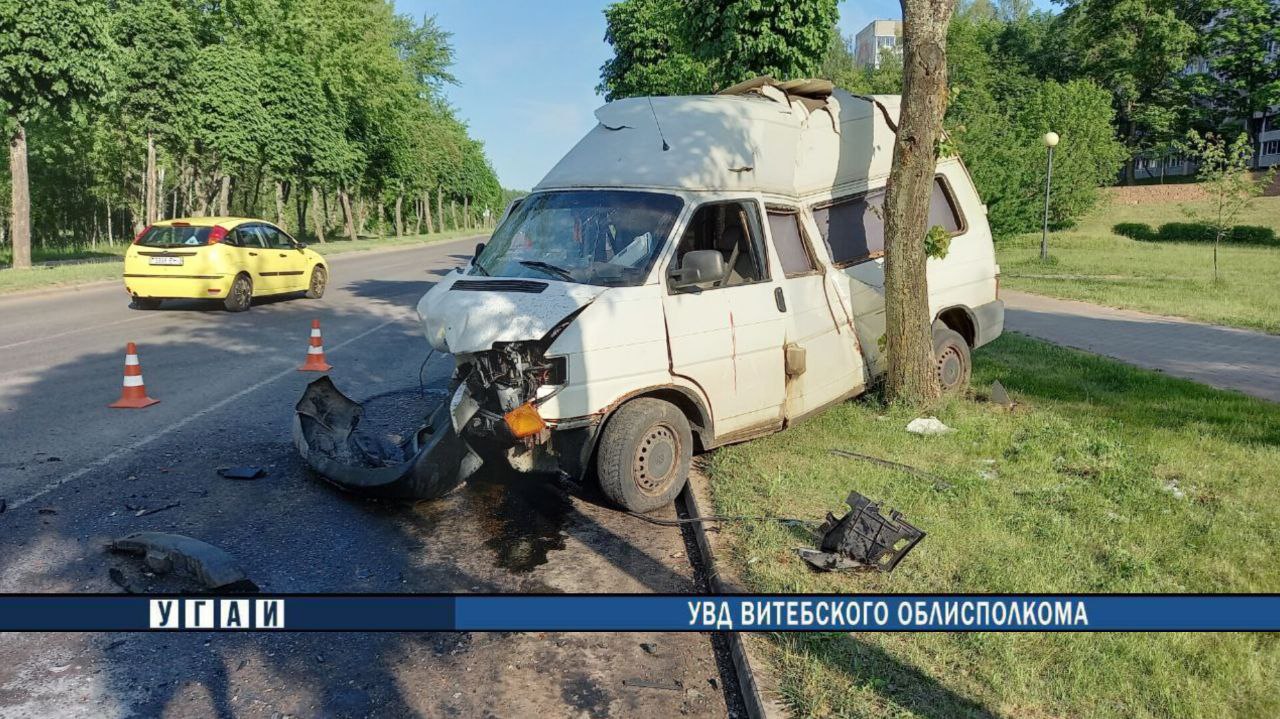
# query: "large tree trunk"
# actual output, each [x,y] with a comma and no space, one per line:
[279,203]
[399,217]
[440,207]
[417,216]
[224,196]
[909,345]
[151,185]
[345,200]
[466,212]
[300,204]
[426,211]
[317,213]
[20,208]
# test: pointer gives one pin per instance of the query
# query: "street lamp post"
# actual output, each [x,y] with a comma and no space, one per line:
[1050,141]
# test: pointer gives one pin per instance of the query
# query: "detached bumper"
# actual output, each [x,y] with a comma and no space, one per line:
[177,286]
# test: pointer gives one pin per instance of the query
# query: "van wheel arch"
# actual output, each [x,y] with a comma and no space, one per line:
[684,399]
[959,319]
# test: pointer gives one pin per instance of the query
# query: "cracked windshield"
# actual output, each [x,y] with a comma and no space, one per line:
[590,237]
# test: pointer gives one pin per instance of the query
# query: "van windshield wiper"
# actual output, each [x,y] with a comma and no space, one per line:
[549,268]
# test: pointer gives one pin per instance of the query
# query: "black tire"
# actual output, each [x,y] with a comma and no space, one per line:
[145,303]
[952,359]
[644,454]
[240,296]
[319,278]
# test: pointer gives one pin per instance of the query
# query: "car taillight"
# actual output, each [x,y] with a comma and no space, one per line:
[138,236]
[217,234]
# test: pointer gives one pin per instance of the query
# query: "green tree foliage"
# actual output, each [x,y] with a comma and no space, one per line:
[692,46]
[320,113]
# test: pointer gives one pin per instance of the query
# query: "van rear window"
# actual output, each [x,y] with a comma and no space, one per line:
[175,236]
[854,228]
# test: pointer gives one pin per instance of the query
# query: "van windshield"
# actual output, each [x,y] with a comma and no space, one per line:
[594,237]
[175,236]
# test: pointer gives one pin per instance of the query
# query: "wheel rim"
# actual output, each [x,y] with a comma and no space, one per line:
[950,367]
[317,281]
[656,459]
[243,294]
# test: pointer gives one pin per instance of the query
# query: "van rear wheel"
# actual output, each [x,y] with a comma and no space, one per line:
[951,356]
[644,455]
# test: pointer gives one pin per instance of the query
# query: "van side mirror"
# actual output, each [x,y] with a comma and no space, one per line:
[479,249]
[698,267]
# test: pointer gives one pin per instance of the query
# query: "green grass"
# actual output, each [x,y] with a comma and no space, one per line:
[78,274]
[1093,264]
[1071,492]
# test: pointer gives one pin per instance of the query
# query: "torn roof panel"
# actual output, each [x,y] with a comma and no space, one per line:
[796,138]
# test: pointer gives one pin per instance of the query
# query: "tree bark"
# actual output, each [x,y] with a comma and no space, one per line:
[426,211]
[912,376]
[279,204]
[151,184]
[399,218]
[300,205]
[440,207]
[20,208]
[417,216]
[466,212]
[224,196]
[453,212]
[317,212]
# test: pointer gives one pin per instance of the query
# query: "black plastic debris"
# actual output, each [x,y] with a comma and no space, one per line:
[164,553]
[4,504]
[431,463]
[117,578]
[242,472]
[863,538]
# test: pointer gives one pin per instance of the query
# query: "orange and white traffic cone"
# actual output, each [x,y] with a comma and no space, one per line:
[134,393]
[315,353]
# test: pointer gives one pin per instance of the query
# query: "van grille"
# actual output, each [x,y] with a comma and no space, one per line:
[528,286]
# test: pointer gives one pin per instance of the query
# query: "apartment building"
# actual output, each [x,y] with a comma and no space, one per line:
[878,36]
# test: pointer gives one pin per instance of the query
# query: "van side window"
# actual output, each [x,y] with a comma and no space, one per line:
[733,229]
[788,242]
[943,210]
[853,228]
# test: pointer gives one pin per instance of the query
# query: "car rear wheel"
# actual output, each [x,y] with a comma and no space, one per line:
[319,278]
[145,303]
[952,359]
[644,456]
[241,295]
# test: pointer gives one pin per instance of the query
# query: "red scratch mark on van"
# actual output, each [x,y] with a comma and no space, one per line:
[733,340]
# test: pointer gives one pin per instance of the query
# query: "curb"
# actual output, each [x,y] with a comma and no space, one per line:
[757,687]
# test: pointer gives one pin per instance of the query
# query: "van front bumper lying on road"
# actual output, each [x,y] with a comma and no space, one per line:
[177,286]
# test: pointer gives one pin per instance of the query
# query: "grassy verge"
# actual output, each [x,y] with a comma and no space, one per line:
[110,268]
[1093,264]
[1106,478]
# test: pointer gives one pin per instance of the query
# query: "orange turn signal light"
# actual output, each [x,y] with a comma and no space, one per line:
[524,421]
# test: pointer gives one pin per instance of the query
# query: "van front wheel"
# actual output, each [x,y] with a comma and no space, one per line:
[951,356]
[644,456]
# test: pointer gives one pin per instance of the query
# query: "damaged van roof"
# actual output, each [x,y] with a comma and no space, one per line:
[795,138]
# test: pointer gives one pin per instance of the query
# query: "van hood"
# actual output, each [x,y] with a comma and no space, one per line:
[463,314]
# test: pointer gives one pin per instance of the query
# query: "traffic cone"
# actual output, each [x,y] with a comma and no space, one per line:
[315,353]
[134,393]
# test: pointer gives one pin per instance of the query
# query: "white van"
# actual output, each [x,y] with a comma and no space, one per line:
[697,271]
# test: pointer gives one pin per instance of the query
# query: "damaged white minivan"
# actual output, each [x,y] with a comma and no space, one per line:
[696,271]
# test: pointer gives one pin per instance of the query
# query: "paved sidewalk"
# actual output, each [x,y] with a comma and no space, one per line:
[1223,357]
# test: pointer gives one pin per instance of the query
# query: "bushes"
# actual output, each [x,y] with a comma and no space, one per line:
[1196,232]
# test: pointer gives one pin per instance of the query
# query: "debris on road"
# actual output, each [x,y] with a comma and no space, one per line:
[668,684]
[4,504]
[863,538]
[433,462]
[117,578]
[46,510]
[164,553]
[928,426]
[938,482]
[143,511]
[242,472]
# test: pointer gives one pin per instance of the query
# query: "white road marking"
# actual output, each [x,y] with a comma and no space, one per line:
[117,454]
[75,331]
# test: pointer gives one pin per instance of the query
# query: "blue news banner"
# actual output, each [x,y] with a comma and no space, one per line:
[621,613]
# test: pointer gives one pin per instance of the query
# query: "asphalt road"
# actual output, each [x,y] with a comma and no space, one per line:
[75,474]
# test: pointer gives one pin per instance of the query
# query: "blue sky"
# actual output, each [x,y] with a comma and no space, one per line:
[528,71]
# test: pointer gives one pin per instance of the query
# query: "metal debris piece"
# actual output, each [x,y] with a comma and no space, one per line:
[1000,396]
[46,510]
[863,538]
[142,512]
[668,684]
[938,482]
[164,552]
[433,462]
[928,426]
[117,577]
[242,472]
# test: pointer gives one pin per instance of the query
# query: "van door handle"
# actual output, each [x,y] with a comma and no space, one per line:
[779,299]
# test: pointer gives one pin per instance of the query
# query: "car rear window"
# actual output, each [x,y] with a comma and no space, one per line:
[175,236]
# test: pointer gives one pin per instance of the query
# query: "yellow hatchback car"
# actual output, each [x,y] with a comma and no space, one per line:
[233,259]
